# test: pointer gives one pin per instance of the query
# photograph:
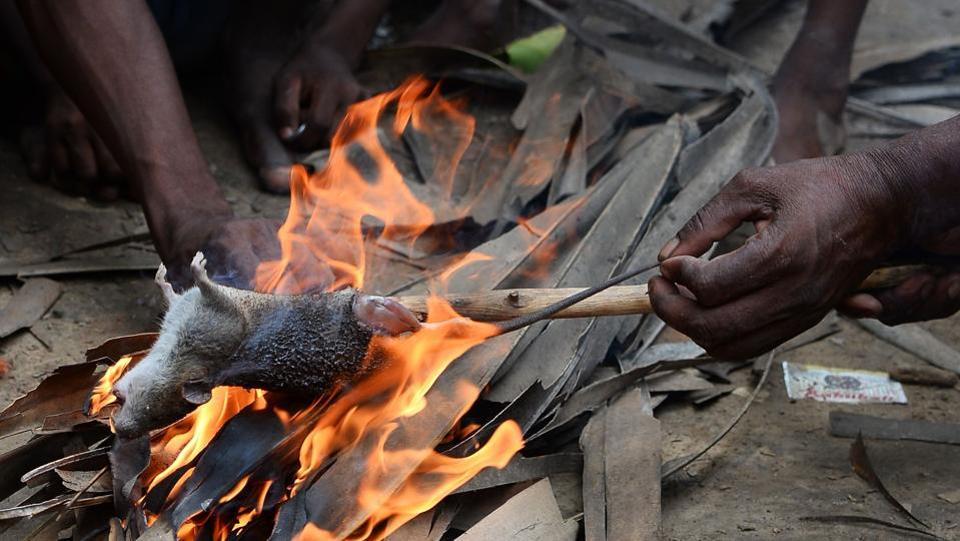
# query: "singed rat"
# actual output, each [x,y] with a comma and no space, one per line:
[301,344]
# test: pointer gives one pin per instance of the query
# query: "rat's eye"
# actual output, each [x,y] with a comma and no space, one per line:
[121,396]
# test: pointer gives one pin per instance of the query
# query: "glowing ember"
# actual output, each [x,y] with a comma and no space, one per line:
[324,243]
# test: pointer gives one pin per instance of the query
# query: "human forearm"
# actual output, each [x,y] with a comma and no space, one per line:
[922,173]
[349,27]
[111,59]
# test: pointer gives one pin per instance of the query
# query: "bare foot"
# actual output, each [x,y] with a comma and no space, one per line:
[64,150]
[470,23]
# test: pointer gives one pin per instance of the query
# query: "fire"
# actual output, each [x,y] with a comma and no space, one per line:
[102,394]
[335,215]
[187,438]
[329,211]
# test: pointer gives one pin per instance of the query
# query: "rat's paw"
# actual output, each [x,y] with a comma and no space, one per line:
[199,268]
[161,278]
[384,315]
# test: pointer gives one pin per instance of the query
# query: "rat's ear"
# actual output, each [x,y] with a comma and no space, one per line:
[196,392]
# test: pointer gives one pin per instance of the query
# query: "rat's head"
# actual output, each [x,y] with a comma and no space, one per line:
[201,330]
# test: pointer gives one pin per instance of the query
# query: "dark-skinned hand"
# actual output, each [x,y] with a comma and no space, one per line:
[233,247]
[311,94]
[921,297]
[822,226]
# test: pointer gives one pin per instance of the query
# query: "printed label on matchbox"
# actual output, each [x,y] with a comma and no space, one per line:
[840,385]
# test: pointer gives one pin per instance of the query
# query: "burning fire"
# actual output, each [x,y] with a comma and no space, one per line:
[334,216]
[102,395]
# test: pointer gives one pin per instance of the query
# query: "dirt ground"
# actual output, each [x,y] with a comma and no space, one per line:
[778,465]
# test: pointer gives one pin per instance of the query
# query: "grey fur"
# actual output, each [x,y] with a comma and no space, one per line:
[216,335]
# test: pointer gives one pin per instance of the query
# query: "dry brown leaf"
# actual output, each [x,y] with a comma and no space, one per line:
[862,466]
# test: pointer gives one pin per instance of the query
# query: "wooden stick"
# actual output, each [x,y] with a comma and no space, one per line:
[503,304]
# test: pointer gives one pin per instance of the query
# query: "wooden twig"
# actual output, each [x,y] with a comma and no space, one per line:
[503,304]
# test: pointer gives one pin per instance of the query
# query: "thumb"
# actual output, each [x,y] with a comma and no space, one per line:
[714,221]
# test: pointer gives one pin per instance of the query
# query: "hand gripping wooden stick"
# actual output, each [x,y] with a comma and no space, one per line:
[505,304]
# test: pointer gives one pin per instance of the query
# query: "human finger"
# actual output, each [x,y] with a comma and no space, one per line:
[766,338]
[860,305]
[59,158]
[318,117]
[715,329]
[757,264]
[714,221]
[920,298]
[355,93]
[287,97]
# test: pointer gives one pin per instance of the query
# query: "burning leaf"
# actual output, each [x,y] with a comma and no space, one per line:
[92,457]
[669,351]
[121,346]
[621,486]
[524,469]
[32,509]
[615,229]
[591,397]
[677,381]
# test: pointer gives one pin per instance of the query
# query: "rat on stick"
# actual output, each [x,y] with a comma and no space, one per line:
[300,344]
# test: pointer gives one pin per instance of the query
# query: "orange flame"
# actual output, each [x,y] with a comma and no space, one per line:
[324,241]
[102,394]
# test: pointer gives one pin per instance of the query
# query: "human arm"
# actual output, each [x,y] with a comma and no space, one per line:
[822,226]
[111,59]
